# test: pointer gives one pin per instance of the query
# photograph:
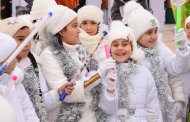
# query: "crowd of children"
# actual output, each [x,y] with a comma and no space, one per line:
[133,76]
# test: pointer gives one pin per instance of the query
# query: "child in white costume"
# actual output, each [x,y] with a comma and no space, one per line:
[135,96]
[91,28]
[186,76]
[62,56]
[42,98]
[159,59]
[17,96]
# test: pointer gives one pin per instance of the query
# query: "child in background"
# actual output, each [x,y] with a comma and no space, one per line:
[91,28]
[35,85]
[16,96]
[134,98]
[159,59]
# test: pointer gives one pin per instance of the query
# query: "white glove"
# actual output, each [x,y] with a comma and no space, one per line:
[178,108]
[180,36]
[106,65]
[111,81]
[152,115]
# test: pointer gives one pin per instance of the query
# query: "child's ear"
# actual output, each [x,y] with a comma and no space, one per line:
[61,34]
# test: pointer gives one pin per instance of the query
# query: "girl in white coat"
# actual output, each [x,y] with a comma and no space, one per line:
[34,83]
[91,28]
[16,94]
[62,56]
[133,96]
[159,59]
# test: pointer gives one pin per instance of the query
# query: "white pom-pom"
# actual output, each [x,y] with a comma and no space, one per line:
[128,8]
[19,73]
[116,24]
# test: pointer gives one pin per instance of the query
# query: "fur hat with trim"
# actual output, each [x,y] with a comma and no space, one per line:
[139,19]
[61,17]
[7,46]
[40,7]
[11,25]
[119,31]
[90,12]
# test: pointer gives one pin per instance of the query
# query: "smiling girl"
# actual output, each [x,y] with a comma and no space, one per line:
[135,96]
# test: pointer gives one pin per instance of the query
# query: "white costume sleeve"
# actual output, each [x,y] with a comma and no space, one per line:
[108,102]
[175,63]
[27,106]
[50,97]
[176,86]
[56,78]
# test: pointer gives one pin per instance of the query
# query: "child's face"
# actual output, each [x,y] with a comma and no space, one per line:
[188,30]
[148,39]
[121,50]
[19,36]
[70,34]
[90,27]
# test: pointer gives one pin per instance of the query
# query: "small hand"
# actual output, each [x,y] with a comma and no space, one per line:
[181,39]
[178,108]
[106,65]
[68,88]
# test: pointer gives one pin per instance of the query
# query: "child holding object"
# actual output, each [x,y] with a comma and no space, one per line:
[34,82]
[15,95]
[134,98]
[62,56]
[159,59]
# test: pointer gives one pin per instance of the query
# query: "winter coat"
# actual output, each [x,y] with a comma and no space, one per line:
[55,78]
[143,98]
[19,100]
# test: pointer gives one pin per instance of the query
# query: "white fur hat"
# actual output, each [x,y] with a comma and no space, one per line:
[119,31]
[187,20]
[12,24]
[7,46]
[61,17]
[40,7]
[7,114]
[139,19]
[90,12]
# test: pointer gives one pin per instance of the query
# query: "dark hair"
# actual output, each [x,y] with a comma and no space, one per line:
[59,36]
[33,60]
